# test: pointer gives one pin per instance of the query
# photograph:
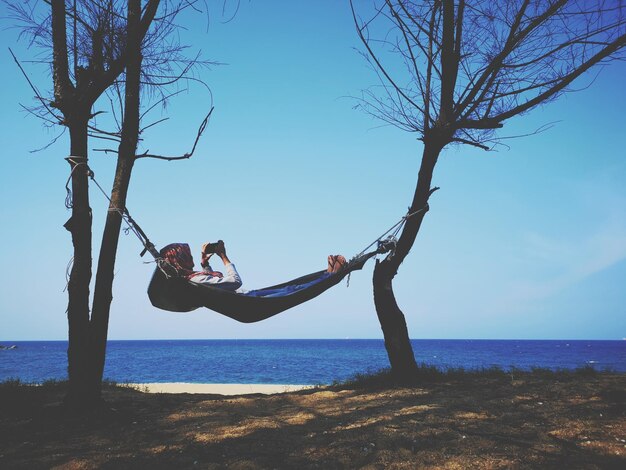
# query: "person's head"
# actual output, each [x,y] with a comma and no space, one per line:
[178,255]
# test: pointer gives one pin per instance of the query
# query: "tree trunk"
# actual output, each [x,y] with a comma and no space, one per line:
[391,318]
[103,294]
[393,324]
[79,225]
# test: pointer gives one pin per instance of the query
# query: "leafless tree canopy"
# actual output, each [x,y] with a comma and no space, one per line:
[96,48]
[471,64]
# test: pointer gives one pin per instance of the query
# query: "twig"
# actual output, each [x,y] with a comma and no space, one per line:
[106,151]
[154,124]
[470,142]
[186,155]
[52,142]
[37,94]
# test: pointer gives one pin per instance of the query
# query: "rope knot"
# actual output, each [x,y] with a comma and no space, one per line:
[388,244]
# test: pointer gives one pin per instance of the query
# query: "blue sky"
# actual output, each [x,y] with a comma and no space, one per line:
[528,242]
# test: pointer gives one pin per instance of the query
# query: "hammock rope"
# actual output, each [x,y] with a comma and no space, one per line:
[386,242]
[390,240]
[124,214]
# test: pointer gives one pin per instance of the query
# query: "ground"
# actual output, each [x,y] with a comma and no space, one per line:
[506,420]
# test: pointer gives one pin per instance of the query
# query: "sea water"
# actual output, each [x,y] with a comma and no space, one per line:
[297,361]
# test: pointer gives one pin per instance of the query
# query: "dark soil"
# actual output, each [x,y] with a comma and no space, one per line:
[531,420]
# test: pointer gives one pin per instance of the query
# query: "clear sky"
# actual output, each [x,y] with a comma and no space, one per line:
[522,243]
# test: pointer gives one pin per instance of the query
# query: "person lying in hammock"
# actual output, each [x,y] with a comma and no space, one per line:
[229,281]
[178,256]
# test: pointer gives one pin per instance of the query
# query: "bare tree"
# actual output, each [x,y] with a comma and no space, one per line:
[92,43]
[103,292]
[95,69]
[155,62]
[453,71]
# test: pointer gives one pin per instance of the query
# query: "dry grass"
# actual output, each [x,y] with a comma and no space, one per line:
[459,420]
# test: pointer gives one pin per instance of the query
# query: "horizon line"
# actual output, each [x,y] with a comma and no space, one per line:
[326,339]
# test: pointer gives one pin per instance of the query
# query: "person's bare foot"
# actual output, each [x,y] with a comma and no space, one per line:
[335,263]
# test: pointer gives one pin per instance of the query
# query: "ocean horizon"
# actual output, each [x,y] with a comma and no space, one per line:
[298,361]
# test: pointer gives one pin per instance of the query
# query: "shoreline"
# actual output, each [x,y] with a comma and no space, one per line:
[217,389]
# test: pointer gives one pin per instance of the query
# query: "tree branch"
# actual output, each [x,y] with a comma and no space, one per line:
[378,64]
[569,78]
[186,155]
[470,142]
[104,80]
[37,94]
[63,88]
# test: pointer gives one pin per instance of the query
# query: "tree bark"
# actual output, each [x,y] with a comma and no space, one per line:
[103,293]
[87,338]
[79,225]
[63,88]
[391,318]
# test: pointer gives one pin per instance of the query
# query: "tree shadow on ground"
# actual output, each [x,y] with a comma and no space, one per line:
[494,423]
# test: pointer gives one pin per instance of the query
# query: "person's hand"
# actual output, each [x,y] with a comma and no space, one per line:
[215,274]
[204,262]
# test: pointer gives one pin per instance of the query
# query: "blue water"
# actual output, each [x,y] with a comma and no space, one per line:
[297,361]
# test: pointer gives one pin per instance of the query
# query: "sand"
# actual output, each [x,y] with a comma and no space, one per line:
[219,389]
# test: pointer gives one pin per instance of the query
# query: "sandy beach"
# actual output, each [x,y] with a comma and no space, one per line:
[219,389]
[482,421]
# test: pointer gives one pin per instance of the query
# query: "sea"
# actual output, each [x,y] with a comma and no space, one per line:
[307,362]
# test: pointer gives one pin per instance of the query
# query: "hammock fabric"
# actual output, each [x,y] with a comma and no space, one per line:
[177,294]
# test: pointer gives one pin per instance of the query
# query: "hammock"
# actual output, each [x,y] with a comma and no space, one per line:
[177,294]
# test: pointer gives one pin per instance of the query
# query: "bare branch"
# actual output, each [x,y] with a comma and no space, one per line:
[154,124]
[161,101]
[432,190]
[52,142]
[103,137]
[101,131]
[565,81]
[497,60]
[188,154]
[39,115]
[63,88]
[106,151]
[34,88]
[105,79]
[470,142]
[378,64]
